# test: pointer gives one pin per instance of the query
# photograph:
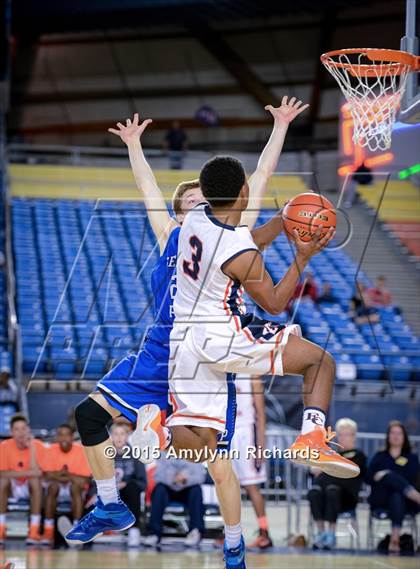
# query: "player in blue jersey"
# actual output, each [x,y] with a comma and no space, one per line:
[143,378]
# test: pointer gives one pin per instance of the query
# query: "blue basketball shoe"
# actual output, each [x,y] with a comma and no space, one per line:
[109,517]
[235,557]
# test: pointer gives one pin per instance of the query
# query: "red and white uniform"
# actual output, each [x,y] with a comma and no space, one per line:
[212,334]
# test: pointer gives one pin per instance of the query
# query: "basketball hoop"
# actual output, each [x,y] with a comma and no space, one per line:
[373,82]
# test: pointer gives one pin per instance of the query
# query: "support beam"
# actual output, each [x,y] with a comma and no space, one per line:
[235,65]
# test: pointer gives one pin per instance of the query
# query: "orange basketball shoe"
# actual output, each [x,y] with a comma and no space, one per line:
[48,536]
[34,537]
[312,449]
[2,533]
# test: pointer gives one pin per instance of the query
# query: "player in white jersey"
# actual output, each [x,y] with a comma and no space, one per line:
[211,322]
[249,442]
[213,335]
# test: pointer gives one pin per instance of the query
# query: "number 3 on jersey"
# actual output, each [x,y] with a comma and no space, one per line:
[192,268]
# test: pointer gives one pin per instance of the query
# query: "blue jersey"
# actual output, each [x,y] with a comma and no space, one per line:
[164,289]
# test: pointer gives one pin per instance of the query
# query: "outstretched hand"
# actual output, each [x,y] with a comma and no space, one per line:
[288,110]
[318,242]
[132,130]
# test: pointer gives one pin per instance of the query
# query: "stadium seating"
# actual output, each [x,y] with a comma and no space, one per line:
[84,297]
[399,210]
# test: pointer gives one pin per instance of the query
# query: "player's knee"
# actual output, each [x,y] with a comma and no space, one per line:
[221,471]
[75,487]
[53,489]
[34,485]
[328,363]
[92,421]
[4,484]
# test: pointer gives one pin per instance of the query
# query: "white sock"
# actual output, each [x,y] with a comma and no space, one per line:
[35,519]
[233,535]
[75,521]
[107,490]
[48,523]
[312,416]
[3,519]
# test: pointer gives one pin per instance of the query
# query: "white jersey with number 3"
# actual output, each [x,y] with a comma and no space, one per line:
[212,337]
[204,292]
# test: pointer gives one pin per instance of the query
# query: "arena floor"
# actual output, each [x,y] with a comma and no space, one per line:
[112,559]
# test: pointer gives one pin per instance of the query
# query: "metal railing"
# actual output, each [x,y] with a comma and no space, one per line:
[14,335]
[287,484]
[91,155]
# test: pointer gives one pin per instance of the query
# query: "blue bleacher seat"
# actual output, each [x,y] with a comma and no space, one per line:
[110,303]
[7,410]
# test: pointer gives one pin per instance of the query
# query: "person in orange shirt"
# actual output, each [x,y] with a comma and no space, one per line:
[21,458]
[67,473]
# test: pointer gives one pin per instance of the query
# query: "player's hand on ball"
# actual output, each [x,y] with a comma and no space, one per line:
[132,130]
[288,110]
[318,242]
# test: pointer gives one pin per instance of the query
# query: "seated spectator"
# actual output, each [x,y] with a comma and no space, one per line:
[8,389]
[361,310]
[379,295]
[305,290]
[20,467]
[180,481]
[67,474]
[326,294]
[330,496]
[131,477]
[392,475]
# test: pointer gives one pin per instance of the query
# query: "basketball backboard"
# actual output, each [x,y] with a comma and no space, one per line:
[410,104]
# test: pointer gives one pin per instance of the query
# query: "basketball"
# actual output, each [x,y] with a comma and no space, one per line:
[306,212]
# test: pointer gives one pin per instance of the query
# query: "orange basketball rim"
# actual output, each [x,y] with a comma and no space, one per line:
[373,81]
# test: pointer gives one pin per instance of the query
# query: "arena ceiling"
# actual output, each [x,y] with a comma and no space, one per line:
[79,65]
[50,16]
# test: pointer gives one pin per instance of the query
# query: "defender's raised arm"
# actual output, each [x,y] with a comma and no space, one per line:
[157,211]
[267,164]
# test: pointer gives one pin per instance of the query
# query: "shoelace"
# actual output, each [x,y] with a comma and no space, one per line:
[329,435]
[87,522]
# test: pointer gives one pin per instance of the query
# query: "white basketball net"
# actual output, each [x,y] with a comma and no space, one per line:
[374,100]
